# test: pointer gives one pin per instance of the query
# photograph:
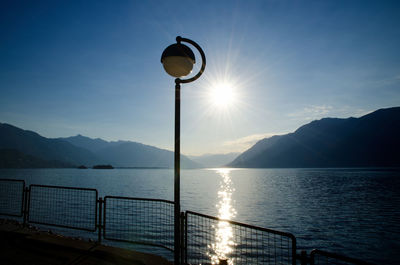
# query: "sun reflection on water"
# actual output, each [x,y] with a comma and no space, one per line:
[224,243]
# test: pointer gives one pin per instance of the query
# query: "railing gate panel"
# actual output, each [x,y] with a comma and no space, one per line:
[140,221]
[12,197]
[212,240]
[67,207]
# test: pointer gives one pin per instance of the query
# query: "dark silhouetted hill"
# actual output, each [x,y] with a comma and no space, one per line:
[130,154]
[372,140]
[11,158]
[31,143]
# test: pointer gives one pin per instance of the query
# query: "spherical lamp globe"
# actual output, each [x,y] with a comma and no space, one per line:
[178,60]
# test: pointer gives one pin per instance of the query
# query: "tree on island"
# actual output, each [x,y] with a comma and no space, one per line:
[103,167]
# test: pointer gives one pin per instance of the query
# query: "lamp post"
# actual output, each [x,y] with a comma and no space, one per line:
[178,60]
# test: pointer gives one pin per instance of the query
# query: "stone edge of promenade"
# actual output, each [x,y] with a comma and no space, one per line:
[21,244]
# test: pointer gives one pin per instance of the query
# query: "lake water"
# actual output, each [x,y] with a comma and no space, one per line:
[355,212]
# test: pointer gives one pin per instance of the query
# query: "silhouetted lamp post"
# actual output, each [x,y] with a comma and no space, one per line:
[178,60]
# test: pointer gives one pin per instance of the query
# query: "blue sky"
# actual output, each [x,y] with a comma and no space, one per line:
[93,67]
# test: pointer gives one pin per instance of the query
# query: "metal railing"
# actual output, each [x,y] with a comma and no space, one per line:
[139,221]
[65,207]
[12,197]
[209,238]
[206,239]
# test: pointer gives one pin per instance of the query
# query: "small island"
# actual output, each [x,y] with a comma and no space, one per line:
[103,167]
[82,167]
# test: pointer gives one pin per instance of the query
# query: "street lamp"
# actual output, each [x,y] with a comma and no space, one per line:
[178,60]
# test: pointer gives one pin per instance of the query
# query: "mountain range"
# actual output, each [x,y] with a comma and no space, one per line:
[39,147]
[372,140]
[21,148]
[129,154]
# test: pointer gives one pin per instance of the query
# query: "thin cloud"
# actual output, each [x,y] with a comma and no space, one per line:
[312,112]
[388,81]
[244,143]
[316,112]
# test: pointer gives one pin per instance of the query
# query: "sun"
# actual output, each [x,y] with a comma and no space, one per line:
[222,95]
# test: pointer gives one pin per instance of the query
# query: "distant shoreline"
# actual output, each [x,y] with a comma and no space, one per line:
[310,168]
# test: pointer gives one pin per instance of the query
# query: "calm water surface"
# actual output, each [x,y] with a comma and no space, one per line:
[355,212]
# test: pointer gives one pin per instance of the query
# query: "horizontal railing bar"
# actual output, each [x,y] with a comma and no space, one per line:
[63,187]
[138,199]
[17,180]
[13,215]
[64,226]
[245,225]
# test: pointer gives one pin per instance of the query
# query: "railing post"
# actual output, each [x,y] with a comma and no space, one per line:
[303,257]
[186,237]
[99,223]
[26,207]
[312,257]
[294,250]
[183,232]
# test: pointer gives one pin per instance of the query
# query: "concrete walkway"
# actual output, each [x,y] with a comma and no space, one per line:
[22,245]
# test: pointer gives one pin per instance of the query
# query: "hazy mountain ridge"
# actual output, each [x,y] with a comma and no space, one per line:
[214,160]
[130,154]
[34,150]
[90,144]
[371,140]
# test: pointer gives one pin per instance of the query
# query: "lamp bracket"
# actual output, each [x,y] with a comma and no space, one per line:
[179,39]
